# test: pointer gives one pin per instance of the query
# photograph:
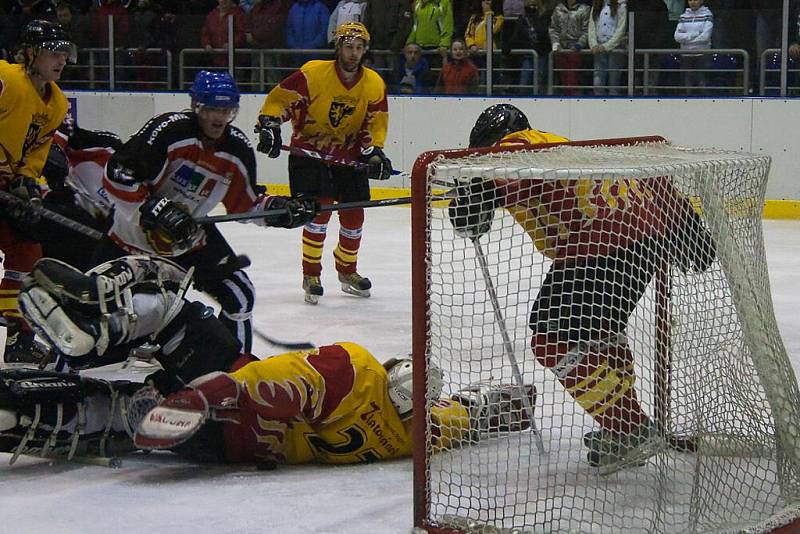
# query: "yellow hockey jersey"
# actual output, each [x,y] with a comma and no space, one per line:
[328,115]
[27,121]
[329,405]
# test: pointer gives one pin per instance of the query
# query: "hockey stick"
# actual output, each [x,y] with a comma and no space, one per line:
[54,216]
[509,348]
[327,207]
[282,344]
[333,160]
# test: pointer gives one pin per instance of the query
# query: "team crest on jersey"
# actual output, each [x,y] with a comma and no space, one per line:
[341,108]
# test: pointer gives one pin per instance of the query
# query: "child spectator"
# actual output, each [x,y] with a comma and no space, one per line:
[413,74]
[215,30]
[569,34]
[694,33]
[607,33]
[345,11]
[459,75]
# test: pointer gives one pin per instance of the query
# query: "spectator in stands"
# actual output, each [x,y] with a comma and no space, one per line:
[475,34]
[345,11]
[459,75]
[569,34]
[100,23]
[694,33]
[413,75]
[215,30]
[24,11]
[73,23]
[389,23]
[794,48]
[432,27]
[264,29]
[531,32]
[307,27]
[607,40]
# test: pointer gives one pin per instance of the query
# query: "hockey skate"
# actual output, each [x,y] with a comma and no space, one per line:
[313,288]
[22,350]
[355,284]
[614,451]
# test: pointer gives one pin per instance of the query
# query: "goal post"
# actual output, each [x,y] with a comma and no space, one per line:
[708,364]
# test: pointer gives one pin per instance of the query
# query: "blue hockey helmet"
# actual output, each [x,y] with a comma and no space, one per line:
[215,90]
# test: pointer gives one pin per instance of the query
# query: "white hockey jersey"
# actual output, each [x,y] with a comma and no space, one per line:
[167,159]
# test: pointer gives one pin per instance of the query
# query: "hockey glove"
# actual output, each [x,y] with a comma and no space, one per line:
[299,211]
[497,407]
[378,165]
[269,136]
[690,244]
[24,213]
[165,218]
[472,211]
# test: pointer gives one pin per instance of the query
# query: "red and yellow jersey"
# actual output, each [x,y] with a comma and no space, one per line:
[572,219]
[328,405]
[328,115]
[27,121]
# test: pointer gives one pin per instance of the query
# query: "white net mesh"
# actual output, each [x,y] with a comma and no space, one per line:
[665,399]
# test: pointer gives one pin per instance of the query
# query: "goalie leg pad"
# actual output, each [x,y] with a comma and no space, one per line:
[181,415]
[50,321]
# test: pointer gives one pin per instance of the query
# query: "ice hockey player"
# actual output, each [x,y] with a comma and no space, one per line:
[291,408]
[31,108]
[339,108]
[602,261]
[180,166]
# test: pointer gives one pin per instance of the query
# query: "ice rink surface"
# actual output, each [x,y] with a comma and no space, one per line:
[160,493]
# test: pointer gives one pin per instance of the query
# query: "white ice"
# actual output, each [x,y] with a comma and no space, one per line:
[161,493]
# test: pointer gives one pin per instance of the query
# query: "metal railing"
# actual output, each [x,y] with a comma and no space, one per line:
[769,74]
[126,68]
[726,70]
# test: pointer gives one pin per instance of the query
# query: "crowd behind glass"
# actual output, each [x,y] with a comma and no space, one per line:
[533,47]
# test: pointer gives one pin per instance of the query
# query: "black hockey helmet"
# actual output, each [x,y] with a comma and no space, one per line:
[496,122]
[43,34]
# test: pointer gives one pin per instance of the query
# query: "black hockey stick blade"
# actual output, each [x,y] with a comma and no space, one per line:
[282,344]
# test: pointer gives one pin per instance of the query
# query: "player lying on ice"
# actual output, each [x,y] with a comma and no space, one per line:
[605,239]
[334,404]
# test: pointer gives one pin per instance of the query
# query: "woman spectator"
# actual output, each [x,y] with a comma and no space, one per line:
[432,27]
[215,30]
[459,75]
[475,34]
[607,32]
[569,34]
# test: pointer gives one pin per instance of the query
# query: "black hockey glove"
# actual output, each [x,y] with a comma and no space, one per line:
[299,211]
[163,216]
[472,211]
[379,166]
[691,247]
[269,136]
[23,212]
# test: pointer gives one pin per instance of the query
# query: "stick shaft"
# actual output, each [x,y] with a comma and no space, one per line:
[327,207]
[56,217]
[331,159]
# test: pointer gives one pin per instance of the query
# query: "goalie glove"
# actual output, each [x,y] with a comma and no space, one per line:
[269,136]
[177,418]
[379,167]
[169,222]
[299,211]
[497,407]
[472,211]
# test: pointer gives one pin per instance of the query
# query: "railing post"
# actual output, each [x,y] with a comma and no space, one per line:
[646,74]
[631,56]
[111,62]
[169,69]
[489,52]
[784,47]
[230,46]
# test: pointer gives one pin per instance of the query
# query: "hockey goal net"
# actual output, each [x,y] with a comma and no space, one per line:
[711,372]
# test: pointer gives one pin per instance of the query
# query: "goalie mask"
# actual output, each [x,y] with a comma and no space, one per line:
[400,384]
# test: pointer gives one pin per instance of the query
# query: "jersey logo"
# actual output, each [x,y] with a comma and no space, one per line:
[339,111]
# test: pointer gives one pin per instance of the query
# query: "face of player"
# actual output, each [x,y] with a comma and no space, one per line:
[351,51]
[49,64]
[694,5]
[213,121]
